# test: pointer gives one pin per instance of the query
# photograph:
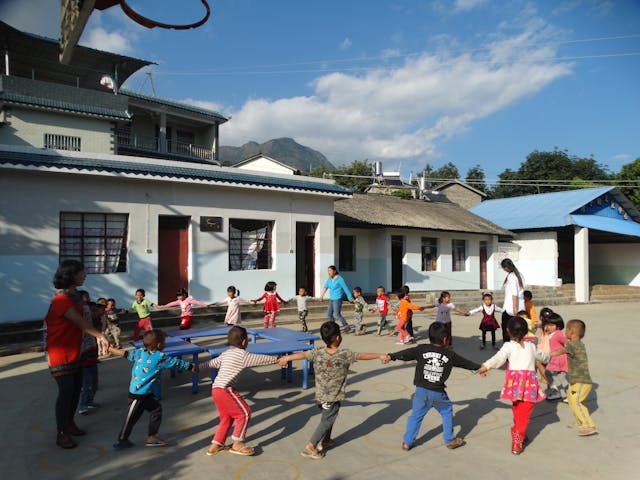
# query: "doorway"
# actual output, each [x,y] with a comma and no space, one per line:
[173,256]
[397,254]
[483,265]
[306,256]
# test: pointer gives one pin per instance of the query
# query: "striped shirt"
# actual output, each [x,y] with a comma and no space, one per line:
[231,363]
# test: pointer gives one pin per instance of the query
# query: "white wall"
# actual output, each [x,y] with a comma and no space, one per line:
[538,257]
[265,165]
[30,209]
[615,264]
[373,260]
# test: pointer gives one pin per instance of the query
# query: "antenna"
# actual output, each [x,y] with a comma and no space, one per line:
[149,76]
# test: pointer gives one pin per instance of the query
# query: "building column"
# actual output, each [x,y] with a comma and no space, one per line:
[492,260]
[162,140]
[581,263]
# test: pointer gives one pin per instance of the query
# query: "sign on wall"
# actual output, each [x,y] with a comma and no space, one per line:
[210,224]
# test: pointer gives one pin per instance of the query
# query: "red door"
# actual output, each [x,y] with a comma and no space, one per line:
[173,256]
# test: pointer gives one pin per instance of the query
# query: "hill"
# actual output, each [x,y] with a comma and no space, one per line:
[285,150]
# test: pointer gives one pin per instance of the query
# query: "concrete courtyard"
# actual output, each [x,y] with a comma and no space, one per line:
[368,430]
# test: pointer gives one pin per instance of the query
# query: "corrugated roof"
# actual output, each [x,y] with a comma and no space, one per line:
[545,210]
[160,169]
[172,103]
[606,224]
[64,106]
[389,211]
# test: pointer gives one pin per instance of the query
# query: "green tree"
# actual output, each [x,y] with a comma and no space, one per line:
[475,178]
[446,172]
[631,171]
[356,177]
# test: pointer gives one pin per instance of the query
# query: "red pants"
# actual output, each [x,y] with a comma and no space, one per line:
[270,319]
[143,324]
[185,323]
[521,416]
[231,406]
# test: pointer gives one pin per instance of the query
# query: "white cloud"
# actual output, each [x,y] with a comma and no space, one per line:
[101,39]
[216,107]
[403,113]
[346,44]
[621,157]
[466,5]
[119,39]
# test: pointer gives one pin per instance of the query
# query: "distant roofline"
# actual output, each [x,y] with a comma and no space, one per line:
[174,103]
[437,188]
[262,155]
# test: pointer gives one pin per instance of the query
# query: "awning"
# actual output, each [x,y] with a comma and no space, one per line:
[607,224]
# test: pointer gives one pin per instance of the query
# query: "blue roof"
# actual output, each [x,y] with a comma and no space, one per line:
[601,208]
[160,169]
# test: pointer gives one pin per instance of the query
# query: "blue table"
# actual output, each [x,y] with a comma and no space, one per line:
[280,334]
[273,348]
[208,332]
[176,347]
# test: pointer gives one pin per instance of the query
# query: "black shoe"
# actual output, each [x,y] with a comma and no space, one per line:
[64,440]
[123,444]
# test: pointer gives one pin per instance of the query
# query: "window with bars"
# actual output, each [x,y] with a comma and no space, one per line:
[98,240]
[429,250]
[459,255]
[250,243]
[61,142]
[347,253]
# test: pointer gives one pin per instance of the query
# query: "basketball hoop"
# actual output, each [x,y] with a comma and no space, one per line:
[149,23]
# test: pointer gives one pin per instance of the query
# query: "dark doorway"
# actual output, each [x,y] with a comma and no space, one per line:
[306,256]
[566,258]
[483,265]
[173,256]
[397,254]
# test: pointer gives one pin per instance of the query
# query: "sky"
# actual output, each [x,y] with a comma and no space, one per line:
[404,82]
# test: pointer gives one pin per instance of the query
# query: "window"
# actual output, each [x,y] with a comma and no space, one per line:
[61,142]
[429,254]
[250,244]
[98,240]
[346,253]
[459,255]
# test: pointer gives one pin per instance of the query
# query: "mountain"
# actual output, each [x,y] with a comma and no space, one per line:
[285,150]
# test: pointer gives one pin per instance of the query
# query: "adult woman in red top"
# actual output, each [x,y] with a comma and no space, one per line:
[65,324]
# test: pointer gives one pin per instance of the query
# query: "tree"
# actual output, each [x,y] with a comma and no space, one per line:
[475,178]
[631,171]
[358,175]
[446,172]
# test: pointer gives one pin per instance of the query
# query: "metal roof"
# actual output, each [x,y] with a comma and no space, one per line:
[605,224]
[160,169]
[172,103]
[561,209]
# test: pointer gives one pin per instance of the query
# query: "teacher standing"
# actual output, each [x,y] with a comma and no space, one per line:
[513,295]
[64,327]
[336,286]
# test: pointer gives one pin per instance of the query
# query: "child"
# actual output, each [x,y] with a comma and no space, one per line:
[332,365]
[488,322]
[557,368]
[301,300]
[271,305]
[229,403]
[110,322]
[409,325]
[141,307]
[530,308]
[382,305]
[579,378]
[531,327]
[233,302]
[147,365]
[89,359]
[185,302]
[359,305]
[433,367]
[443,315]
[404,309]
[521,381]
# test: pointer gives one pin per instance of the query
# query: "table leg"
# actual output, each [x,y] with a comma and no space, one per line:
[194,376]
[311,370]
[305,373]
[283,372]
[289,372]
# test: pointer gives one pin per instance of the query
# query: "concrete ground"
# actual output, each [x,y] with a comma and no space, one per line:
[368,430]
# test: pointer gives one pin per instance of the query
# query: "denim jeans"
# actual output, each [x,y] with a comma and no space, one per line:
[423,400]
[335,307]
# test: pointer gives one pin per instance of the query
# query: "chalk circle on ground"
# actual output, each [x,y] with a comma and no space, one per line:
[251,469]
[389,387]
[380,438]
[91,454]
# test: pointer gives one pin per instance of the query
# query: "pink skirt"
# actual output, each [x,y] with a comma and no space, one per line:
[522,385]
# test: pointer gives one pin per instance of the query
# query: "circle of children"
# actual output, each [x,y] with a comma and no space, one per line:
[536,351]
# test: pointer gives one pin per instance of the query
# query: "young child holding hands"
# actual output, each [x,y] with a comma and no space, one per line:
[331,365]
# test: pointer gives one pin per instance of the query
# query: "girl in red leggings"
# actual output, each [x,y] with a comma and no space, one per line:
[229,403]
[521,381]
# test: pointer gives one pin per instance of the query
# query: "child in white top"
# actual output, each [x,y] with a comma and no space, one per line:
[233,302]
[488,322]
[521,380]
[445,307]
[301,300]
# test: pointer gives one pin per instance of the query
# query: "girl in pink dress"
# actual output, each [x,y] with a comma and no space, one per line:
[521,380]
[185,302]
[558,366]
[272,302]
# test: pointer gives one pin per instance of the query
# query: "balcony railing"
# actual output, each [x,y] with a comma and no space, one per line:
[132,141]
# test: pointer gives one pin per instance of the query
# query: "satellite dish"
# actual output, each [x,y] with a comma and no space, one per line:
[107,81]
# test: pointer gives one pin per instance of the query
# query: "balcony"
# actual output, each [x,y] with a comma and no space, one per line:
[130,143]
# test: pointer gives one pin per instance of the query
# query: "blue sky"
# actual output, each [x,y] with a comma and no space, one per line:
[405,82]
